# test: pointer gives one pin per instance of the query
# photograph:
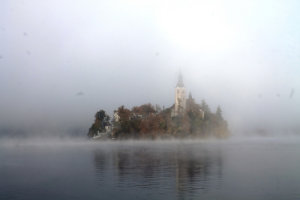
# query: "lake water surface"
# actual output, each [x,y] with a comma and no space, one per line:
[267,168]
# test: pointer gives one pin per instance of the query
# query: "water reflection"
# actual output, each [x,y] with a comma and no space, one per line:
[184,169]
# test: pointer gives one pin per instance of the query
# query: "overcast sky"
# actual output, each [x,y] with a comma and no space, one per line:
[62,60]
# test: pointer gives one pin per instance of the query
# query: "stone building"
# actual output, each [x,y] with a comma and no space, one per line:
[180,99]
[181,103]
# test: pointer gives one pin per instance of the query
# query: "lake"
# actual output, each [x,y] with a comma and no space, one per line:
[244,168]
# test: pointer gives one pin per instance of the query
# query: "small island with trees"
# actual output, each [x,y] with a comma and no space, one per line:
[184,119]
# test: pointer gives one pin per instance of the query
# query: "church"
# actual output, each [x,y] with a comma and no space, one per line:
[181,103]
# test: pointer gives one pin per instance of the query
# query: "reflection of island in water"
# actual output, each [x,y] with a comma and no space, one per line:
[185,169]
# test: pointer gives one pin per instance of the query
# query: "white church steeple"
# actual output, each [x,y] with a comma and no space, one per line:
[180,100]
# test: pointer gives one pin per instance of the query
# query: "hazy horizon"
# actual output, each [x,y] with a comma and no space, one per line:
[62,61]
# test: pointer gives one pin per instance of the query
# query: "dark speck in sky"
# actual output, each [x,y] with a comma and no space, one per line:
[79,93]
[157,54]
[28,52]
[278,95]
[25,34]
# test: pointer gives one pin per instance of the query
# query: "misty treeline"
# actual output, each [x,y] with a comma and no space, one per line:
[148,121]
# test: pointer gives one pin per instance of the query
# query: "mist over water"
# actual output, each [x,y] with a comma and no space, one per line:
[62,61]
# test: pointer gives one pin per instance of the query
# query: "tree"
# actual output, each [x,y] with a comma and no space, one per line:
[100,115]
[219,113]
[144,109]
[124,114]
[101,120]
[124,123]
[205,107]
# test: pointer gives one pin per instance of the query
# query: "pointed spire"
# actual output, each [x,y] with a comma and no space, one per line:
[180,81]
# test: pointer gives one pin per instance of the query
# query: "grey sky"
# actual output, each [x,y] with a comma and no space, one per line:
[61,61]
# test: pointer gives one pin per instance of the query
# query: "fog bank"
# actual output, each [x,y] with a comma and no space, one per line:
[61,61]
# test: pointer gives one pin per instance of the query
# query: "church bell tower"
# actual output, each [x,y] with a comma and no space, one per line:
[180,100]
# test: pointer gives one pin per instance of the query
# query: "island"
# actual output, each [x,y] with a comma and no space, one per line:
[184,119]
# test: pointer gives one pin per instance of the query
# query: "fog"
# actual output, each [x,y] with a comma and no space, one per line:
[61,61]
[159,145]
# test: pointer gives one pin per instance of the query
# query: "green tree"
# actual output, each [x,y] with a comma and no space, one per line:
[219,113]
[101,120]
[205,106]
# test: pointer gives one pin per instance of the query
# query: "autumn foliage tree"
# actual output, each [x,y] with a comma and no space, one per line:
[147,122]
